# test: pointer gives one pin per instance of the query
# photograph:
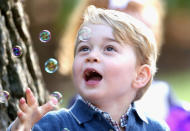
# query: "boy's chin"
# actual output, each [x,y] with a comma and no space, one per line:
[92,97]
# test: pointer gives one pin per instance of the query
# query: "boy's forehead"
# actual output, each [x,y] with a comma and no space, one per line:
[86,32]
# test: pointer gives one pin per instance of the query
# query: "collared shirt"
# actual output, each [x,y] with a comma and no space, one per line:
[123,119]
[81,117]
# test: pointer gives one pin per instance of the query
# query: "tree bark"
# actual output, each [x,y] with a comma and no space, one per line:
[17,73]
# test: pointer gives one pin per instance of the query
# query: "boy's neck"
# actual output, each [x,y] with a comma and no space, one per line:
[115,108]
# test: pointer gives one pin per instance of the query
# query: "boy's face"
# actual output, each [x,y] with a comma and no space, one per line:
[103,69]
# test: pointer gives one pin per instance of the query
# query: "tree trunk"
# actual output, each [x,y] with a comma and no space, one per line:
[17,73]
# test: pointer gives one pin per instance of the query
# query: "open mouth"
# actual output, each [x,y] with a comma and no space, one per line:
[91,74]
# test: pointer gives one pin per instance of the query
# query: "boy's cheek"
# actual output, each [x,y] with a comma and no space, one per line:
[77,70]
[76,78]
[74,71]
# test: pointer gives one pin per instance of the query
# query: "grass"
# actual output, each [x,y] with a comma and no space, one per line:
[179,81]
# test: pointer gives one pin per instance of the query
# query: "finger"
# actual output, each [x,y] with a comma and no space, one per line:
[20,115]
[17,126]
[48,106]
[31,100]
[22,105]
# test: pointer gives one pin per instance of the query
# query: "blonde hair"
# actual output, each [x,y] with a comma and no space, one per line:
[127,29]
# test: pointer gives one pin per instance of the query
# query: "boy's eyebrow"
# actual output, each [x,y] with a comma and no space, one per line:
[77,43]
[111,40]
[105,39]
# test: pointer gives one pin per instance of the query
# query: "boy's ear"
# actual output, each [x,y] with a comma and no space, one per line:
[143,76]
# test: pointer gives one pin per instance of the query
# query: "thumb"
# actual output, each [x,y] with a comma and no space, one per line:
[49,106]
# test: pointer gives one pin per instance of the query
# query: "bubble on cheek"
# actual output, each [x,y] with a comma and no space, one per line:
[45,36]
[84,34]
[17,51]
[58,96]
[51,65]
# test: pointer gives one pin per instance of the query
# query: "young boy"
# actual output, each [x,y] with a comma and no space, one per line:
[115,61]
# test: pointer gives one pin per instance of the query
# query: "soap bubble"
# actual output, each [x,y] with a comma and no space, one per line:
[51,65]
[84,34]
[45,36]
[17,51]
[57,95]
[4,96]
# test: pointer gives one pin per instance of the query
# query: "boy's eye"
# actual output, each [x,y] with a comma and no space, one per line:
[83,48]
[110,48]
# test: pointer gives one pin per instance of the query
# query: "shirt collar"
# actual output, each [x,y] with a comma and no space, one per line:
[140,113]
[87,113]
[81,111]
[123,119]
[133,106]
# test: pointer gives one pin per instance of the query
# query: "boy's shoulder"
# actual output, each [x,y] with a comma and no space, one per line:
[53,120]
[159,125]
[146,122]
[71,119]
[57,115]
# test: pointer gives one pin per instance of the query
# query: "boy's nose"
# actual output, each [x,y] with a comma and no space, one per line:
[92,59]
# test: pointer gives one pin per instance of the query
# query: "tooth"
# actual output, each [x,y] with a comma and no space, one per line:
[87,73]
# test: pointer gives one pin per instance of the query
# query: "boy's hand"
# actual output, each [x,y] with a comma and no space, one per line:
[31,112]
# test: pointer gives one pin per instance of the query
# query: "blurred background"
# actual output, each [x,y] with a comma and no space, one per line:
[55,15]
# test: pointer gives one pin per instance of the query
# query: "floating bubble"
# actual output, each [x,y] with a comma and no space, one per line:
[17,51]
[2,97]
[45,36]
[66,129]
[57,95]
[51,65]
[6,94]
[84,34]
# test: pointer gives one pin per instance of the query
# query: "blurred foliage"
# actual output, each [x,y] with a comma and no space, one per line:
[179,80]
[67,7]
[178,4]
